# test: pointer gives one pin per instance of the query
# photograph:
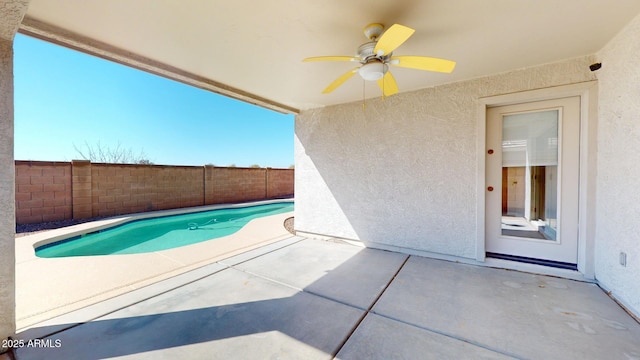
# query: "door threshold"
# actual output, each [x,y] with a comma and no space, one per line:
[527,260]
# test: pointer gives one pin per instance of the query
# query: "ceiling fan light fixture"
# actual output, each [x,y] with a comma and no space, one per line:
[373,70]
[376,55]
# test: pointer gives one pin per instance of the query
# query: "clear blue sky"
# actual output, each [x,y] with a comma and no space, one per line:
[65,98]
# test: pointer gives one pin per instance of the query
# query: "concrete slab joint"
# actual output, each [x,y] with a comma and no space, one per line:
[311,299]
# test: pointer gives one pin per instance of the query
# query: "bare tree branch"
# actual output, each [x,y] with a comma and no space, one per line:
[111,155]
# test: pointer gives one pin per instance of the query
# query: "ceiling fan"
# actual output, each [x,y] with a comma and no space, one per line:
[376,55]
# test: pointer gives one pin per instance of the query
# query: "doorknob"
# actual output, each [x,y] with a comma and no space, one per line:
[490,188]
[490,151]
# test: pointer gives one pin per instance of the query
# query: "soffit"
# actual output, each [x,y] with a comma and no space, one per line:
[257,46]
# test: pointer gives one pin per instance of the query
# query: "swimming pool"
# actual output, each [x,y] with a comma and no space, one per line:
[161,233]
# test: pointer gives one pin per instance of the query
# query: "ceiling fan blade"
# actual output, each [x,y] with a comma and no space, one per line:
[388,84]
[392,38]
[339,81]
[423,63]
[331,58]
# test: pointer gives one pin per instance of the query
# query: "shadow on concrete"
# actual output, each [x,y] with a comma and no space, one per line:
[101,339]
[285,319]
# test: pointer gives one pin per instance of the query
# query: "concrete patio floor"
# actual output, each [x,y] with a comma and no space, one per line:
[304,299]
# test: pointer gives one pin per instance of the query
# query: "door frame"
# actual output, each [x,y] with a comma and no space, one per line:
[587,91]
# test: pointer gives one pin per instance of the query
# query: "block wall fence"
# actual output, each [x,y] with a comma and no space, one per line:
[51,191]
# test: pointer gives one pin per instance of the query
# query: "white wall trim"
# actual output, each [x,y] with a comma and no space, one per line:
[481,142]
[587,91]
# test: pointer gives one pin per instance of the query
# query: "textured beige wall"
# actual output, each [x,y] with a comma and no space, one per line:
[618,198]
[11,13]
[7,188]
[402,172]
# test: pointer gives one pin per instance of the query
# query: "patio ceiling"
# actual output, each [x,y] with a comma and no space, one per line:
[253,49]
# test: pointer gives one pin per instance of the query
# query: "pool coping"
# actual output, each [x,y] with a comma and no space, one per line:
[51,236]
[47,284]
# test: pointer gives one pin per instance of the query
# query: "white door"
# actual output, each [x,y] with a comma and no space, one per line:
[532,175]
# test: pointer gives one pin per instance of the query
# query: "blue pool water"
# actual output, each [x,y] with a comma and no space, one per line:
[161,233]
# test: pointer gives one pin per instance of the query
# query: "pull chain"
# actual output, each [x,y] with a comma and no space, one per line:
[363,97]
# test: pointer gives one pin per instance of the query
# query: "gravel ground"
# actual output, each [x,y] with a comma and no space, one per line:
[288,224]
[27,229]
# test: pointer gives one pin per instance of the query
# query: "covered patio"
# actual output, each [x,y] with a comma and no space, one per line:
[394,195]
[302,298]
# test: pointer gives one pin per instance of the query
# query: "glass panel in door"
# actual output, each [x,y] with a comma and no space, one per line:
[529,173]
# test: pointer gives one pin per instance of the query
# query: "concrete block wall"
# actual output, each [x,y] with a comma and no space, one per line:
[49,191]
[81,189]
[279,182]
[227,185]
[118,189]
[43,191]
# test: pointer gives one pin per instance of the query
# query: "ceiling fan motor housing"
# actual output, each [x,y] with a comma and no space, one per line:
[366,50]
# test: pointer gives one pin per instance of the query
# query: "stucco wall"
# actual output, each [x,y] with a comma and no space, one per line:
[618,198]
[7,210]
[11,13]
[402,172]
